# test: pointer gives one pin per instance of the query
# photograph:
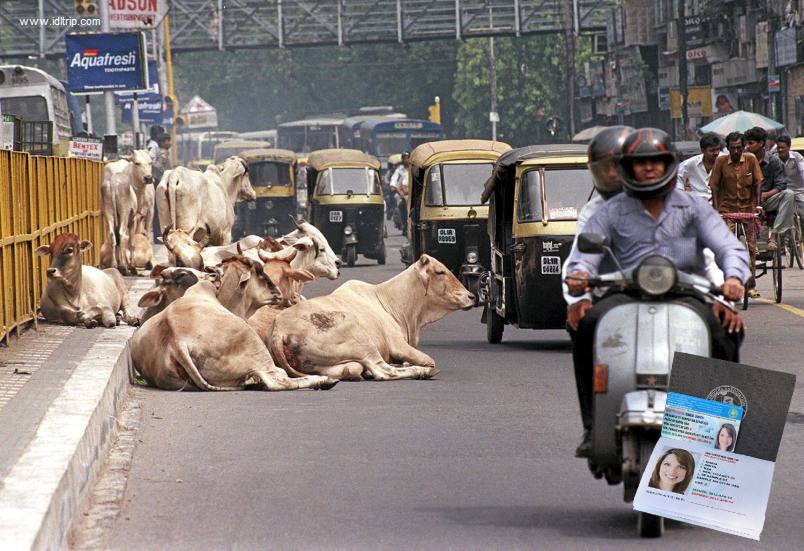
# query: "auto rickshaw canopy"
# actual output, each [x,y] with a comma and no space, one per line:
[431,153]
[797,144]
[504,173]
[264,154]
[329,158]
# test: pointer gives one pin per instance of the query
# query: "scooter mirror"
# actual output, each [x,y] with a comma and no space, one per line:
[592,243]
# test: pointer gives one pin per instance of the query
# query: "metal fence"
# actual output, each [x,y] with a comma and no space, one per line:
[41,197]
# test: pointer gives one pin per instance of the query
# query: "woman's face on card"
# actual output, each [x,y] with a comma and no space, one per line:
[672,472]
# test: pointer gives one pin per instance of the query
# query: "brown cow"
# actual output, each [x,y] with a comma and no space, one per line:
[359,329]
[78,294]
[171,284]
[196,343]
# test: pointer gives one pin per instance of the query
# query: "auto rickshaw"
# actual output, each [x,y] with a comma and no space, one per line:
[535,194]
[445,218]
[273,176]
[345,202]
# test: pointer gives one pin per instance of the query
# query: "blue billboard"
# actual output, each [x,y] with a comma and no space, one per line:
[98,62]
[150,95]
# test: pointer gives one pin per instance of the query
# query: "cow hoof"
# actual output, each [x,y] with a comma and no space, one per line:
[429,372]
[327,384]
[90,324]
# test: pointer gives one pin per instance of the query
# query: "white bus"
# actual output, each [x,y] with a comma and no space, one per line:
[32,95]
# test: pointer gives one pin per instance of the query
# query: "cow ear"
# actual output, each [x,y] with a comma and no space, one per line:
[424,260]
[151,298]
[244,277]
[201,236]
[300,245]
[44,250]
[301,275]
[85,245]
[157,271]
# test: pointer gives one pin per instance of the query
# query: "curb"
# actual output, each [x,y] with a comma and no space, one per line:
[45,488]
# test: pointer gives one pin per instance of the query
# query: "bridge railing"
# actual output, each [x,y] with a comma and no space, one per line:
[41,197]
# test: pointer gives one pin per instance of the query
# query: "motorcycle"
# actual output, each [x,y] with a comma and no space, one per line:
[633,351]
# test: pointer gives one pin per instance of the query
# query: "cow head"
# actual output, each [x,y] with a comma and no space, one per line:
[279,271]
[239,170]
[245,287]
[65,258]
[441,287]
[142,168]
[171,284]
[325,263]
[184,247]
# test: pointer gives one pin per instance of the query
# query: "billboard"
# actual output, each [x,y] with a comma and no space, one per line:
[699,102]
[136,14]
[99,62]
[150,95]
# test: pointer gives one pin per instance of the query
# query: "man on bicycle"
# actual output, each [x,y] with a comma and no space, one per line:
[793,163]
[735,181]
[774,196]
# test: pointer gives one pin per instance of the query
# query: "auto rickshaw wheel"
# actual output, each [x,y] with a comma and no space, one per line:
[495,325]
[381,254]
[350,255]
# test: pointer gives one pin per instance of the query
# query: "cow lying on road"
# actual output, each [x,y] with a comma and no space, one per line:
[171,284]
[78,294]
[196,343]
[360,329]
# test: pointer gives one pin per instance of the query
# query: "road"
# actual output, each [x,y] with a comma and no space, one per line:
[479,458]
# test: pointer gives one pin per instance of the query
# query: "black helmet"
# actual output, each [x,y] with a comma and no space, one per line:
[605,149]
[405,154]
[648,143]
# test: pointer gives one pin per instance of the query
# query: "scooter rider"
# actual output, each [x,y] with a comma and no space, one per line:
[652,217]
[603,153]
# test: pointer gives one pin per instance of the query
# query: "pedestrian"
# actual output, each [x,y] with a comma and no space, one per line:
[735,182]
[153,142]
[774,196]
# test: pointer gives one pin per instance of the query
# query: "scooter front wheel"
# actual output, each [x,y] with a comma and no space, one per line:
[649,526]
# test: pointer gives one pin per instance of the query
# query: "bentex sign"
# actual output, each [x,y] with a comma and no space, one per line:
[99,62]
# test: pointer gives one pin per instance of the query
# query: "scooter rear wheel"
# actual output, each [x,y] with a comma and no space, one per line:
[649,526]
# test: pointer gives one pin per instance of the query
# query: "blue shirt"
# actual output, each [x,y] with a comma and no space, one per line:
[686,225]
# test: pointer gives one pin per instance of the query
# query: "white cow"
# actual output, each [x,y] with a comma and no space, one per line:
[123,181]
[189,199]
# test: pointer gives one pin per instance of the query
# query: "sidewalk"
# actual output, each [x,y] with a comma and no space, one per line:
[60,391]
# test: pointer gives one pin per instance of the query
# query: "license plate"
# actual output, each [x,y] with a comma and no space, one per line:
[446,235]
[336,216]
[551,265]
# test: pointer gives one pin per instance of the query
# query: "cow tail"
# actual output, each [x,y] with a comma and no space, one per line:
[278,353]
[186,361]
[173,181]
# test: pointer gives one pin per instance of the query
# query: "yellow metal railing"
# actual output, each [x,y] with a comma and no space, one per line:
[41,197]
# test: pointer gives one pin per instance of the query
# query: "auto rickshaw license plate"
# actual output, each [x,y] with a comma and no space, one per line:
[252,205]
[446,235]
[336,216]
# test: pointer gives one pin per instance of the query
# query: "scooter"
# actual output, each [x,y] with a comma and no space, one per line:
[633,352]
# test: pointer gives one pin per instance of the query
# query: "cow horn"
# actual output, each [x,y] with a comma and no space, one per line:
[295,222]
[289,258]
[263,255]
[166,231]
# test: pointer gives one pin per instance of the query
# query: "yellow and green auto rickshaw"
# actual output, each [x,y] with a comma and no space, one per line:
[273,176]
[345,202]
[535,194]
[445,217]
[226,149]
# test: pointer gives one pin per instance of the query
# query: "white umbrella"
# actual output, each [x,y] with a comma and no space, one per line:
[740,121]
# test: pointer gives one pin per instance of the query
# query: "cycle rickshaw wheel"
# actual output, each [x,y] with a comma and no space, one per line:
[777,268]
[742,239]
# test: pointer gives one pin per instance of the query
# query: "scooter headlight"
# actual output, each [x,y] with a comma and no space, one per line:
[471,257]
[655,275]
[347,230]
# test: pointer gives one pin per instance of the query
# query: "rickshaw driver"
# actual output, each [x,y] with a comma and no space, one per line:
[652,208]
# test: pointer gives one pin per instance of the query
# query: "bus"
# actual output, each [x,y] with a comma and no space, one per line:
[196,149]
[35,97]
[306,135]
[260,135]
[383,137]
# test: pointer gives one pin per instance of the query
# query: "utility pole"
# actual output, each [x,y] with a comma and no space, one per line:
[571,32]
[682,66]
[108,96]
[494,117]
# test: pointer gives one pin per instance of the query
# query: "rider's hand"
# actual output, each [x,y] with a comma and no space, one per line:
[578,283]
[732,321]
[732,289]
[576,312]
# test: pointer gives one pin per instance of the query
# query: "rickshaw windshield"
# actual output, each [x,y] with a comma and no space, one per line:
[456,184]
[340,181]
[566,192]
[269,173]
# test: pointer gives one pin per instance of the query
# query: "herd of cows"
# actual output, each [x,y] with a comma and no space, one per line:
[226,316]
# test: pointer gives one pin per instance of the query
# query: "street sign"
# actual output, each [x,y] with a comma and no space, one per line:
[494,116]
[136,14]
[774,83]
[98,62]
[200,114]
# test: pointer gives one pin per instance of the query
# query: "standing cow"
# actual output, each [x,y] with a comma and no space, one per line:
[123,181]
[188,199]
[360,329]
[78,294]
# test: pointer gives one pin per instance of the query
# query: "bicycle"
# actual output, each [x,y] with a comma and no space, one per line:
[741,219]
[793,243]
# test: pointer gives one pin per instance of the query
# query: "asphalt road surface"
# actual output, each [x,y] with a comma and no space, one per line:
[479,458]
